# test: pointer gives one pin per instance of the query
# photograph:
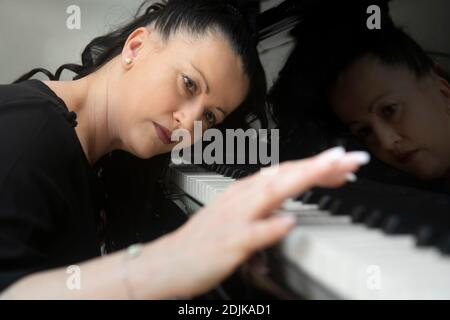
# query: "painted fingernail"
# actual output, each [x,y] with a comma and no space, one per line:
[361,157]
[351,177]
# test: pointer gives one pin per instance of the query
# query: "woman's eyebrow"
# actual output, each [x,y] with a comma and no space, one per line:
[204,78]
[207,89]
[352,123]
[223,111]
[376,100]
[370,107]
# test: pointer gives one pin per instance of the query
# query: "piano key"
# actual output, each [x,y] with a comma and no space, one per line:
[211,189]
[343,256]
[293,205]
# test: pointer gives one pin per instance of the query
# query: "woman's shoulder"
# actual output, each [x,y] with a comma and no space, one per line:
[31,103]
[34,127]
[27,94]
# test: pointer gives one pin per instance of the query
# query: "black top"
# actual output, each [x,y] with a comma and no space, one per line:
[50,196]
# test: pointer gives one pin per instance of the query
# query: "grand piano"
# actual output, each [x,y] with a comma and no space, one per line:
[366,240]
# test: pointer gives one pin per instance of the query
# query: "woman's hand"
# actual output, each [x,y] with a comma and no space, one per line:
[222,235]
[207,248]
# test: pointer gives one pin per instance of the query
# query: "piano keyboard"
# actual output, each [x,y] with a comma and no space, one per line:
[342,251]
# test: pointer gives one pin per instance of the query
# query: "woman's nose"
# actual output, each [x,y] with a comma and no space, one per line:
[388,138]
[187,115]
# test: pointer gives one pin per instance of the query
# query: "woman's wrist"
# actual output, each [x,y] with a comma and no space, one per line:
[131,253]
[149,273]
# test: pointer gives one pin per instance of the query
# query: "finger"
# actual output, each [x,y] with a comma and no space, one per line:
[327,169]
[264,233]
[264,193]
[343,170]
[334,159]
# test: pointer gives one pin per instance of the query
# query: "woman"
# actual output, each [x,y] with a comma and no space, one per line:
[394,100]
[155,75]
[381,87]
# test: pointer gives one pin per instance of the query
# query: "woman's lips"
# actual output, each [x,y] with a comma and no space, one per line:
[163,133]
[407,156]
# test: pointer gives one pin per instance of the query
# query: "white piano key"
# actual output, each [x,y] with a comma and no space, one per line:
[340,258]
[205,188]
[188,179]
[210,187]
[199,184]
[215,191]
[293,205]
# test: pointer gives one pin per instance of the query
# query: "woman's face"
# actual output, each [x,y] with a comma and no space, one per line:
[403,120]
[170,84]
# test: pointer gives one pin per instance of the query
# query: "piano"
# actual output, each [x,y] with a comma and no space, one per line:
[365,240]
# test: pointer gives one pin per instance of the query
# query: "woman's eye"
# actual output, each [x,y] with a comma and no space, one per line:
[389,111]
[189,84]
[210,118]
[363,133]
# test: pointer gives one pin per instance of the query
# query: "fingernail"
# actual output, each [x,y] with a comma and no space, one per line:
[351,177]
[361,157]
[333,154]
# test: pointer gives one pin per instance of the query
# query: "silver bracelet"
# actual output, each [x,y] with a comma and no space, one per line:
[131,253]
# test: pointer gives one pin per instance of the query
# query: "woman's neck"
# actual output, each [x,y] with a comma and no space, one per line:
[88,98]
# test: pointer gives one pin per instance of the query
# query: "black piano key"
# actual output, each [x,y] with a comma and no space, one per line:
[234,173]
[359,213]
[402,224]
[228,172]
[336,207]
[325,202]
[222,169]
[375,219]
[341,207]
[243,174]
[428,235]
[305,196]
[310,197]
[444,244]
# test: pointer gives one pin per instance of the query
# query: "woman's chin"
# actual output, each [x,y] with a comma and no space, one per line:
[429,172]
[142,151]
[151,151]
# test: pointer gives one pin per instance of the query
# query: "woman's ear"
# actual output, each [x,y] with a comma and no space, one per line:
[134,44]
[443,80]
[445,90]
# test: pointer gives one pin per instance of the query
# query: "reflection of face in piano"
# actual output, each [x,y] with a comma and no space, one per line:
[404,120]
[173,83]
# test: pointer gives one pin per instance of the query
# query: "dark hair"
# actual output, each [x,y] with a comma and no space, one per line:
[196,17]
[130,182]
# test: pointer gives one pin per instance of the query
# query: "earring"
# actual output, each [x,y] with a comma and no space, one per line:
[128,61]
